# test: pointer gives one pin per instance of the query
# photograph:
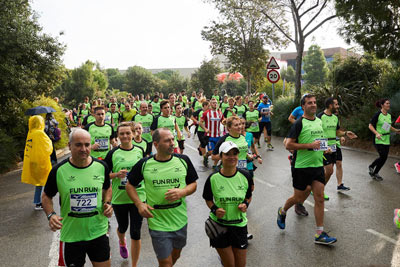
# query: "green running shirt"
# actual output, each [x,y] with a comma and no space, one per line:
[102,135]
[241,144]
[158,177]
[182,122]
[305,132]
[382,125]
[224,106]
[118,159]
[252,116]
[330,123]
[156,108]
[146,146]
[240,110]
[146,122]
[81,199]
[228,193]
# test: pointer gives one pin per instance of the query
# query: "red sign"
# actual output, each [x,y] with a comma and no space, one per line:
[272,64]
[273,76]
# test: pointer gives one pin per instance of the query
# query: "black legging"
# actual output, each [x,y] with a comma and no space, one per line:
[383,151]
[125,213]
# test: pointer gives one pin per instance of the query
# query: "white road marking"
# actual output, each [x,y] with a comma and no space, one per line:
[265,183]
[312,204]
[391,240]
[54,248]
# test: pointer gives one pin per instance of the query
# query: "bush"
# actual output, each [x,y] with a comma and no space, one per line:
[282,108]
[8,152]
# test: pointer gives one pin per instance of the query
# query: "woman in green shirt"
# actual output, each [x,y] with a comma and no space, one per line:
[381,126]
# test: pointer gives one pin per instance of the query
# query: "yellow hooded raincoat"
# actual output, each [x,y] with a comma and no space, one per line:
[38,149]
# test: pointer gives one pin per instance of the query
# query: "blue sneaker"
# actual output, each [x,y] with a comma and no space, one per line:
[281,219]
[324,239]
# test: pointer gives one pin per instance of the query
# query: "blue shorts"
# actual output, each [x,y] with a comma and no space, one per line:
[212,141]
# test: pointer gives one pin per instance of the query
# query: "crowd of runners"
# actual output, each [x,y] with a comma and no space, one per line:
[127,158]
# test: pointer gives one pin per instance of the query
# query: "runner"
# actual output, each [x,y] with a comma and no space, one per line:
[305,138]
[102,135]
[240,108]
[182,122]
[201,134]
[380,126]
[169,178]
[230,110]
[83,184]
[210,121]
[265,125]
[252,150]
[253,116]
[330,124]
[234,126]
[89,118]
[128,113]
[165,120]
[120,161]
[138,140]
[156,105]
[224,104]
[116,117]
[146,120]
[216,96]
[228,207]
[397,164]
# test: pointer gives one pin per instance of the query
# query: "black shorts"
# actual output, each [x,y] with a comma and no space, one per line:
[329,158]
[339,156]
[128,214]
[266,125]
[74,254]
[256,135]
[235,237]
[203,138]
[181,144]
[303,177]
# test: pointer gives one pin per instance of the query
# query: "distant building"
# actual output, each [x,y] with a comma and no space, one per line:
[185,72]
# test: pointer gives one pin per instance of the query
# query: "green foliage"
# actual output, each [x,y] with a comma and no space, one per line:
[175,83]
[8,151]
[288,74]
[282,108]
[374,24]
[358,123]
[138,80]
[278,89]
[233,88]
[115,79]
[205,77]
[315,67]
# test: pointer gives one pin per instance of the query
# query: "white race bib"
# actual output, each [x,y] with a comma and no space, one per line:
[124,181]
[323,145]
[83,202]
[254,124]
[242,164]
[146,129]
[103,143]
[386,126]
[333,148]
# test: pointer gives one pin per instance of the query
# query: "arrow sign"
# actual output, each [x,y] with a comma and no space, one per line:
[272,64]
[273,76]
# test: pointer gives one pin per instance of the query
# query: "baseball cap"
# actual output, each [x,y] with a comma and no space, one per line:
[265,96]
[227,146]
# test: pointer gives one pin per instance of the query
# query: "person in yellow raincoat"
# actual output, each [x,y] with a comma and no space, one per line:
[37,164]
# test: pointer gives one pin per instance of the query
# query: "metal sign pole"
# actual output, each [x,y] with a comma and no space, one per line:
[273,92]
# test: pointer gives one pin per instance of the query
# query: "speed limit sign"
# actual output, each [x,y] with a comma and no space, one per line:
[273,76]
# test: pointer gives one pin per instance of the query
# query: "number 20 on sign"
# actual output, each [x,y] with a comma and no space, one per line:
[273,76]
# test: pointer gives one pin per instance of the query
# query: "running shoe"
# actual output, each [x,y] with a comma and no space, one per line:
[378,177]
[265,140]
[300,209]
[270,147]
[39,206]
[397,167]
[249,236]
[123,250]
[371,171]
[396,218]
[341,187]
[205,161]
[198,149]
[281,219]
[324,239]
[258,145]
[326,196]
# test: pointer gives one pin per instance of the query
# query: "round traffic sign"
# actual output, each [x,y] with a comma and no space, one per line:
[273,76]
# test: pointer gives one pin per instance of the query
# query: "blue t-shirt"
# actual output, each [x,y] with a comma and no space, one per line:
[250,141]
[297,112]
[263,108]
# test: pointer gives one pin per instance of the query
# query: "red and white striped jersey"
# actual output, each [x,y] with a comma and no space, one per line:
[212,121]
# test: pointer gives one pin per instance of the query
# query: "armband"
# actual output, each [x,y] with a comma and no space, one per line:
[214,209]
[51,214]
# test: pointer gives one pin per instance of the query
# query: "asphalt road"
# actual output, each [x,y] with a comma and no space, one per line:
[361,219]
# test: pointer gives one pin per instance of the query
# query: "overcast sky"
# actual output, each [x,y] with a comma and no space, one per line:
[148,33]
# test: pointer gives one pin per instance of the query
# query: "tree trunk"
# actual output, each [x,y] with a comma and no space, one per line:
[248,90]
[299,60]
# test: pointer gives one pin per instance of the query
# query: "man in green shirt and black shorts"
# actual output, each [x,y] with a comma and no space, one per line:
[306,137]
[83,183]
[146,120]
[168,179]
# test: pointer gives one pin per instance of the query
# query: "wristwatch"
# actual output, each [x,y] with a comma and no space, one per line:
[51,214]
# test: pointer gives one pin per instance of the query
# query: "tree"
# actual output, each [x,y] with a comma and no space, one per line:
[374,24]
[241,36]
[307,17]
[115,79]
[138,80]
[315,66]
[205,77]
[174,81]
[288,74]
